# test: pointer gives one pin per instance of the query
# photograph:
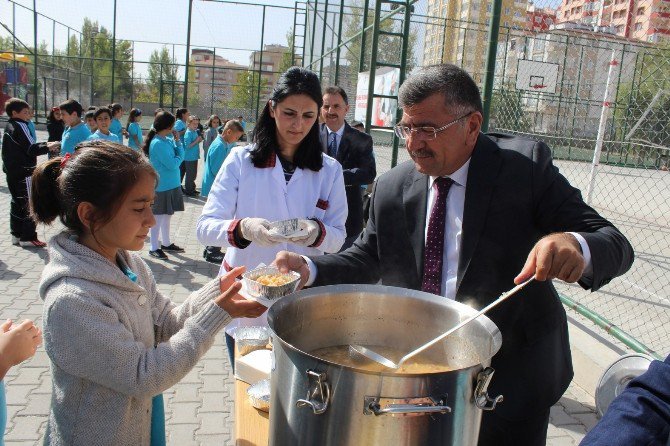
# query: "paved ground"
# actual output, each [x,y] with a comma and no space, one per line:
[199,410]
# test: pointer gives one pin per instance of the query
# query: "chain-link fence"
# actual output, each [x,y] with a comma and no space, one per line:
[572,76]
[575,88]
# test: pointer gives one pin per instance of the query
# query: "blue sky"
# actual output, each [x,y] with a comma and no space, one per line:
[235,30]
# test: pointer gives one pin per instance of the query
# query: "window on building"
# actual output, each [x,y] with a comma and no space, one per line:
[640,11]
[489,8]
[507,11]
[638,26]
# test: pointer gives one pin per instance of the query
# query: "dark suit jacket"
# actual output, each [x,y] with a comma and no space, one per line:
[358,166]
[514,196]
[640,415]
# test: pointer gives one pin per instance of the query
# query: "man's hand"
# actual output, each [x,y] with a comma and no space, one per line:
[234,304]
[556,256]
[289,261]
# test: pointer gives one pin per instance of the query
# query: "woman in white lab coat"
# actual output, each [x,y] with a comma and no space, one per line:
[283,174]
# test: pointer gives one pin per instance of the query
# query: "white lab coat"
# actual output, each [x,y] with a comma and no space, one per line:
[242,190]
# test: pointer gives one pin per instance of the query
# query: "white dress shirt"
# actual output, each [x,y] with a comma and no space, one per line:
[453,233]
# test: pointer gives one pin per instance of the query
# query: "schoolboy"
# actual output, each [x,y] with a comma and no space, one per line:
[229,134]
[103,119]
[192,141]
[90,121]
[19,157]
[75,130]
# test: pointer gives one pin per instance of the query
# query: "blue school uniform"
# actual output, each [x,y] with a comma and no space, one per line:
[217,153]
[180,126]
[116,128]
[99,135]
[191,153]
[166,157]
[134,129]
[73,136]
[31,129]
[157,406]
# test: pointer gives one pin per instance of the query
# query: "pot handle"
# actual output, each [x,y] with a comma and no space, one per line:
[372,406]
[318,393]
[482,399]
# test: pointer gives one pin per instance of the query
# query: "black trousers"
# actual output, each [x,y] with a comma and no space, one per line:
[182,171]
[20,223]
[497,431]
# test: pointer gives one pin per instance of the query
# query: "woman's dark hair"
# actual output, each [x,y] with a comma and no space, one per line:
[115,107]
[294,81]
[134,113]
[99,172]
[211,118]
[163,120]
[180,112]
[51,117]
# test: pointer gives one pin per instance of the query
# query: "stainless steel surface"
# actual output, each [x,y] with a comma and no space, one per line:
[617,376]
[318,393]
[386,362]
[482,399]
[259,395]
[256,289]
[407,407]
[383,316]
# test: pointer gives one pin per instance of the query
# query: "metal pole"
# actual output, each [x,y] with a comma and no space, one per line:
[373,64]
[211,102]
[403,72]
[188,52]
[339,47]
[604,113]
[16,68]
[323,38]
[113,50]
[311,47]
[53,68]
[295,25]
[361,56]
[160,86]
[489,74]
[92,64]
[35,102]
[132,72]
[260,65]
[609,327]
[560,89]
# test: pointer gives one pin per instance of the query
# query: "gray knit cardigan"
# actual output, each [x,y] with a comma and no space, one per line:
[100,329]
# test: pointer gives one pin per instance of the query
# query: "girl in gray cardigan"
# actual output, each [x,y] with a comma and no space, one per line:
[114,340]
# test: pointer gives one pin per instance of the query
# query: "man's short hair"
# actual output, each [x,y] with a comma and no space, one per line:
[234,125]
[101,111]
[71,106]
[336,89]
[454,83]
[15,105]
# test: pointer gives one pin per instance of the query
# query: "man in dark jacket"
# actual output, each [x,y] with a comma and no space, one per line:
[19,157]
[353,149]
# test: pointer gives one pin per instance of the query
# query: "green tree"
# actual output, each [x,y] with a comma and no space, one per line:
[162,74]
[507,112]
[287,61]
[245,90]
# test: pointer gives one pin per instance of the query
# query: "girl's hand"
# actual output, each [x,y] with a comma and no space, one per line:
[234,304]
[18,342]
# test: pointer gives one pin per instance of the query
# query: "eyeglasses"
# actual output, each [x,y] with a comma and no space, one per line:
[424,133]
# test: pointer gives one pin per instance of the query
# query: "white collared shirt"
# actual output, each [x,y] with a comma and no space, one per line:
[339,133]
[453,233]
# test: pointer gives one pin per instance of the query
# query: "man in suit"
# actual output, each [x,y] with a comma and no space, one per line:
[353,149]
[466,218]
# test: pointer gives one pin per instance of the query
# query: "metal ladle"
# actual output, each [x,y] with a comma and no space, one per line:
[376,357]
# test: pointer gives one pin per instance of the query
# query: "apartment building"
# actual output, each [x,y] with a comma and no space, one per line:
[270,64]
[644,20]
[214,75]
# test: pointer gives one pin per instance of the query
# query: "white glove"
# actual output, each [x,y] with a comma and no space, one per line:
[308,233]
[256,230]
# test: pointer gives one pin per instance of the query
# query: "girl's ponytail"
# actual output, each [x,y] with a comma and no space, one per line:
[147,142]
[45,191]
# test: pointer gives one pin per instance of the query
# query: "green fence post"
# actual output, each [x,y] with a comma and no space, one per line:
[113,50]
[373,63]
[188,51]
[35,103]
[14,44]
[361,59]
[339,47]
[260,65]
[323,38]
[311,46]
[403,74]
[494,29]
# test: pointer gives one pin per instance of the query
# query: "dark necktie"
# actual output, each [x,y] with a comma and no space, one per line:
[332,145]
[433,253]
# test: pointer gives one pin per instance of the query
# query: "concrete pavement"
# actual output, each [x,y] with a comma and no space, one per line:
[199,410]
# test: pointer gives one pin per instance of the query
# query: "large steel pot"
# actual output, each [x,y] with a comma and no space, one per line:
[317,402]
